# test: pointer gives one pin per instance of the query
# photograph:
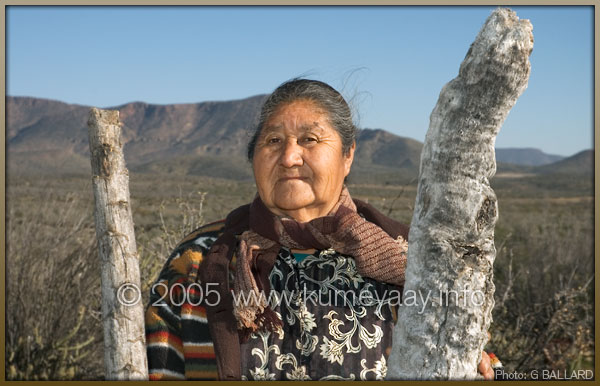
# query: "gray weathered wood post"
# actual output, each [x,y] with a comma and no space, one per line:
[122,308]
[449,293]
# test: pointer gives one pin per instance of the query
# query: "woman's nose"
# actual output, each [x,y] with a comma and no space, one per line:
[291,154]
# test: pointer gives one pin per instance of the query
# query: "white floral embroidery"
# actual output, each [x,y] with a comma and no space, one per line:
[327,252]
[307,344]
[262,373]
[370,339]
[298,373]
[352,273]
[380,369]
[332,351]
[350,330]
[307,320]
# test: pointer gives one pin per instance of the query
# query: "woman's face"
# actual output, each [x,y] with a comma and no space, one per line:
[299,166]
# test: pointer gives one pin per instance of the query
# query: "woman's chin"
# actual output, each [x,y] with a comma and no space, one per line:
[293,204]
[293,200]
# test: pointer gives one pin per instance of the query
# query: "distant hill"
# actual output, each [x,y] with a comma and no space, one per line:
[582,162]
[385,158]
[525,156]
[51,137]
[208,138]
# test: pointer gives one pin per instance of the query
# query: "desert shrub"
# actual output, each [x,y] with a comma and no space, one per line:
[544,311]
[53,321]
[53,328]
[156,243]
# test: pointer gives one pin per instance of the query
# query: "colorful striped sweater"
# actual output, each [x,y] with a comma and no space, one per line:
[179,345]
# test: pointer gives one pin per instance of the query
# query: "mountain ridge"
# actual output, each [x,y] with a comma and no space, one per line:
[205,138]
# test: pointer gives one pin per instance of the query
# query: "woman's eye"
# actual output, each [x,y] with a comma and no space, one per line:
[273,140]
[309,140]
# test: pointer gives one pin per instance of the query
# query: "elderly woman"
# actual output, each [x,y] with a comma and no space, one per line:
[302,283]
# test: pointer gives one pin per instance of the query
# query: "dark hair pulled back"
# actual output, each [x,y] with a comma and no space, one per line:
[322,94]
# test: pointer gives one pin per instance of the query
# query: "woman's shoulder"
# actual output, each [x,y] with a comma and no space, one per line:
[389,225]
[183,262]
[202,237]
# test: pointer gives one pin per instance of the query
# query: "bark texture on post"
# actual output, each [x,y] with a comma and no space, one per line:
[122,309]
[448,295]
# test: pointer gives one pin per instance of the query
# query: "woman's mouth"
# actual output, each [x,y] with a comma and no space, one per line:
[291,178]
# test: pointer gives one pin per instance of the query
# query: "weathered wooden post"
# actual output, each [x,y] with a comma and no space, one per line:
[448,299]
[122,308]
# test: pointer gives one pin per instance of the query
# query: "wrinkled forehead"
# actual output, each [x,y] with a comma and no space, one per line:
[301,115]
[302,127]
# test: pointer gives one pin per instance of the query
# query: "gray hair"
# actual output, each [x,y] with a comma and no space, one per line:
[325,96]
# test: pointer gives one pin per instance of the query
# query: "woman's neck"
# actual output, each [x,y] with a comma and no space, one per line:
[309,251]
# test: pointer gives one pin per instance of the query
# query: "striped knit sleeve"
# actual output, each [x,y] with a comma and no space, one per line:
[178,341]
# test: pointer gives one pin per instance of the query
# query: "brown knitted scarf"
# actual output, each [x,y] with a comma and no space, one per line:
[376,253]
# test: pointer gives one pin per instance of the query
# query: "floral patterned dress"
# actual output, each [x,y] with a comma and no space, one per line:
[336,323]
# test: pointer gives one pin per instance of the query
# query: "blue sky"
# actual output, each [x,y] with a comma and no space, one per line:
[391,61]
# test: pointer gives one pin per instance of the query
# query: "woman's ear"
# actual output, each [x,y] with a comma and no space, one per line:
[349,158]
